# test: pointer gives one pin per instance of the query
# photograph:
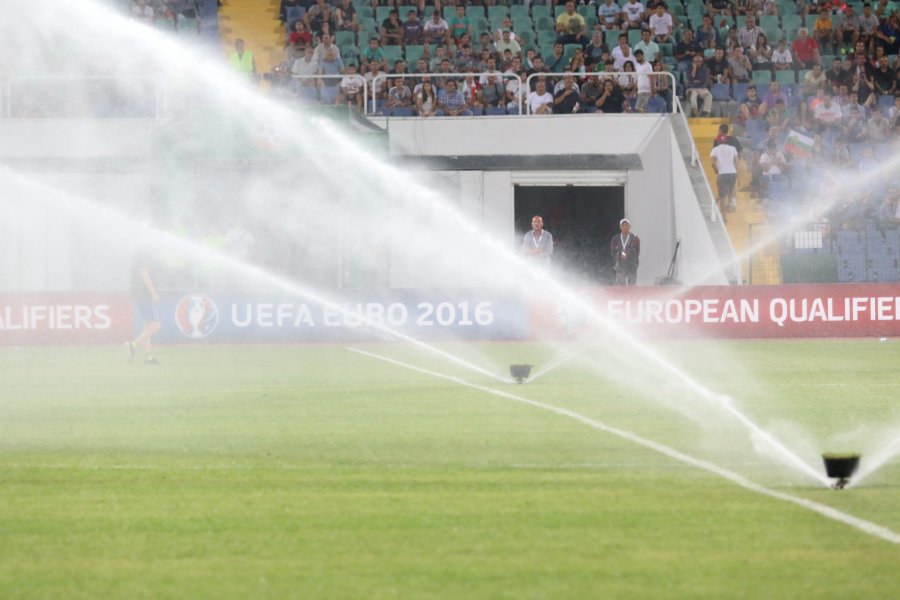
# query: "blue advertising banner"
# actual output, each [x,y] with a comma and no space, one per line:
[234,317]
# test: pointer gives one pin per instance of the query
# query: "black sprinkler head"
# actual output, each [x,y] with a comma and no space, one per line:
[520,373]
[841,467]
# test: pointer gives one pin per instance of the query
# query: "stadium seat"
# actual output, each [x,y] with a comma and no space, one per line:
[497,22]
[478,24]
[541,10]
[762,78]
[785,77]
[720,92]
[611,37]
[527,36]
[739,91]
[656,105]
[767,22]
[521,24]
[558,10]
[392,54]
[544,24]
[414,53]
[329,94]
[499,12]
[585,10]
[475,12]
[404,11]
[634,36]
[517,11]
[382,13]
[791,22]
[294,13]
[364,12]
[569,50]
[449,12]
[345,38]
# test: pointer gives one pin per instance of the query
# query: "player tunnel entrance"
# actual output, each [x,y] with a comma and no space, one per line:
[582,220]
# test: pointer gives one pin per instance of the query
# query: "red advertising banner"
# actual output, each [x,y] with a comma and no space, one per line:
[839,310]
[64,318]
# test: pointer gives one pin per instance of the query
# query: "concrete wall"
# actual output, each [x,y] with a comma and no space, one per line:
[659,198]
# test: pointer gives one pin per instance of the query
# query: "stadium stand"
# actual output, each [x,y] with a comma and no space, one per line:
[819,81]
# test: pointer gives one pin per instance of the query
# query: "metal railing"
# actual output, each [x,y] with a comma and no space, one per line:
[606,75]
[355,76]
[454,76]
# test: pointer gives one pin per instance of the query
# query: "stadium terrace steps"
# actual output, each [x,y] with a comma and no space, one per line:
[766,263]
[256,22]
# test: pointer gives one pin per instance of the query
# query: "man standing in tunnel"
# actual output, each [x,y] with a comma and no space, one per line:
[626,251]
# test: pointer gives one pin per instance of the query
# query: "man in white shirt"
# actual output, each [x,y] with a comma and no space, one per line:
[621,54]
[724,162]
[661,24]
[537,245]
[634,14]
[540,101]
[827,115]
[645,83]
[609,15]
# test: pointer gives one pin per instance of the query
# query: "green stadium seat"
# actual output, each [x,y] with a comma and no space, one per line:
[541,10]
[811,22]
[498,11]
[404,10]
[544,24]
[560,9]
[475,12]
[478,24]
[773,35]
[762,77]
[585,10]
[546,38]
[497,22]
[785,77]
[522,24]
[517,11]
[569,50]
[449,12]
[345,38]
[791,22]
[768,22]
[611,37]
[527,36]
[382,13]
[414,53]
[634,36]
[392,54]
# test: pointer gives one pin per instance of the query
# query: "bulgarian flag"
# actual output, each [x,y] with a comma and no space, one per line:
[798,145]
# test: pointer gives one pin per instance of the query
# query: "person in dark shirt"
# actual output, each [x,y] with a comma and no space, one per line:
[718,67]
[625,248]
[413,30]
[567,99]
[144,270]
[837,76]
[392,30]
[611,100]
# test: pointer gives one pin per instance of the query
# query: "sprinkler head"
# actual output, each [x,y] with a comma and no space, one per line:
[520,373]
[841,467]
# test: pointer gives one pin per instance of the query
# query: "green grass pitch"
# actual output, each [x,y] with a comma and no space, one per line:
[311,471]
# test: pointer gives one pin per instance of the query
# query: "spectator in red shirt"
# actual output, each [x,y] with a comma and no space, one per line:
[805,50]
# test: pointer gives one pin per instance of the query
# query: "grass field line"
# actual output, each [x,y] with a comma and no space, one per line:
[868,527]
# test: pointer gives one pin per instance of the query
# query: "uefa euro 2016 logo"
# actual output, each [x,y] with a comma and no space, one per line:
[196,315]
